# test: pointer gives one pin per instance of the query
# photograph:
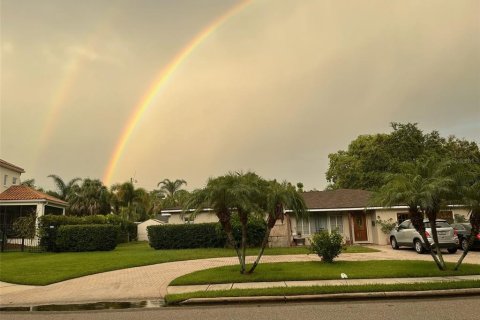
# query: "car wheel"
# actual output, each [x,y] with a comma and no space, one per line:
[464,244]
[394,243]
[417,244]
[452,250]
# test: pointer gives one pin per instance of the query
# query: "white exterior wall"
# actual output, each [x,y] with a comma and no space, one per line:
[204,217]
[142,228]
[4,185]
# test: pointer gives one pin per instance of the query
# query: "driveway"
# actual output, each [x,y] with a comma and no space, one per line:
[150,282]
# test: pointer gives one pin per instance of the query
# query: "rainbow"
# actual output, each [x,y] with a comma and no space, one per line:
[158,84]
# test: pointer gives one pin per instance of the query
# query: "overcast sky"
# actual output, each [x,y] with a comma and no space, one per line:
[275,89]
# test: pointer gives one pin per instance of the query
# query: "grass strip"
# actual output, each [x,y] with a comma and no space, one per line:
[300,271]
[173,299]
[46,268]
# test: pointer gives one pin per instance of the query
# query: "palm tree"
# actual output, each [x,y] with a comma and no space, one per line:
[423,186]
[91,198]
[470,196]
[226,195]
[64,188]
[131,201]
[170,189]
[279,197]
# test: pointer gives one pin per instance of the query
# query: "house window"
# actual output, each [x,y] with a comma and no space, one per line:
[5,178]
[312,224]
[14,180]
[336,223]
[402,216]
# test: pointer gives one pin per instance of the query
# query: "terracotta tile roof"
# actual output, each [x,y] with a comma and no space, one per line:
[336,199]
[21,192]
[10,166]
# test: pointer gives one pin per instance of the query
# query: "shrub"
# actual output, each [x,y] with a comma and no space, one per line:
[386,225]
[183,236]
[328,246]
[88,237]
[49,224]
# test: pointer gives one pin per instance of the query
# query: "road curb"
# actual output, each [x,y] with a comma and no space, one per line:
[334,296]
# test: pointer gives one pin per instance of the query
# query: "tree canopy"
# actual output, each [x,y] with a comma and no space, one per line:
[369,158]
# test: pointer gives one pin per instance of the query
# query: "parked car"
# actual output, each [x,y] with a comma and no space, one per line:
[464,230]
[405,235]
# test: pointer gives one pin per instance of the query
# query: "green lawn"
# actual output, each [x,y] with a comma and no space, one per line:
[47,268]
[172,299]
[296,271]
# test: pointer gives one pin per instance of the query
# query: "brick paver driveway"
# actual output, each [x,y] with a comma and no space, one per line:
[150,282]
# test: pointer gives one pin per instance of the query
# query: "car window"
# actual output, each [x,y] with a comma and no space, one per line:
[404,224]
[458,226]
[438,224]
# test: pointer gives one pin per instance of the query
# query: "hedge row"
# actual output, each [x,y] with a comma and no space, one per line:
[49,225]
[89,237]
[202,235]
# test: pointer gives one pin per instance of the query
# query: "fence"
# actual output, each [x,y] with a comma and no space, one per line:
[9,241]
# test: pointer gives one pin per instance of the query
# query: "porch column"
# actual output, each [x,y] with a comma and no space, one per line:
[40,212]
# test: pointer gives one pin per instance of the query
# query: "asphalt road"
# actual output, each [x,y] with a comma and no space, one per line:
[441,308]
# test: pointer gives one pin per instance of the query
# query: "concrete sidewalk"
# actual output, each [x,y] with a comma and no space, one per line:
[311,283]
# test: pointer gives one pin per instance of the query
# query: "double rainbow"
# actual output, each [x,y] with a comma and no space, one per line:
[157,85]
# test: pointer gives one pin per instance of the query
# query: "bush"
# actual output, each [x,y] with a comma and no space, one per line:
[184,236]
[49,224]
[328,246]
[89,237]
[386,225]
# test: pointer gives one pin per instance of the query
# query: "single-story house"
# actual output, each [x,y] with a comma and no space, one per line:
[346,210]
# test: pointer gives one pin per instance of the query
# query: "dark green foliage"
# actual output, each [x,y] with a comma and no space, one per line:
[328,246]
[369,158]
[49,225]
[202,235]
[185,236]
[87,237]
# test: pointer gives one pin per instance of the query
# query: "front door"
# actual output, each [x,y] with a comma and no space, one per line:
[360,226]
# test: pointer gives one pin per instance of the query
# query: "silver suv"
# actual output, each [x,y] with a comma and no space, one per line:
[406,235]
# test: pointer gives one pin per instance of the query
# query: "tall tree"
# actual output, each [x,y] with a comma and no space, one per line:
[63,189]
[171,189]
[369,158]
[133,203]
[90,198]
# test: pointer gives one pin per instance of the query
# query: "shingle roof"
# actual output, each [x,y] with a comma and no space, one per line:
[21,192]
[10,166]
[336,199]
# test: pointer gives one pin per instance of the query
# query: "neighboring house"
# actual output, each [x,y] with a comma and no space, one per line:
[142,228]
[9,175]
[346,210]
[19,201]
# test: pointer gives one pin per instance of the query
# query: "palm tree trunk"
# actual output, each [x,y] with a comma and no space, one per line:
[270,225]
[262,249]
[436,244]
[475,222]
[417,221]
[243,221]
[465,252]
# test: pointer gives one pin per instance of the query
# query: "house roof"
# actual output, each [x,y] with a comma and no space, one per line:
[337,199]
[10,166]
[22,193]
